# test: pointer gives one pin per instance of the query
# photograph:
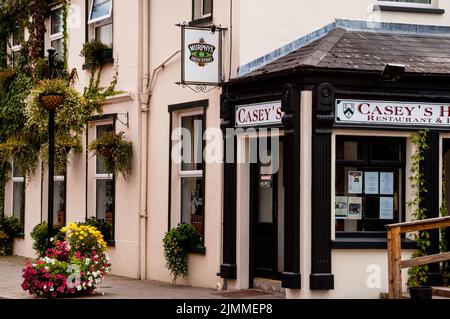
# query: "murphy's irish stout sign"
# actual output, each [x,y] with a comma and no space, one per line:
[201,54]
[392,113]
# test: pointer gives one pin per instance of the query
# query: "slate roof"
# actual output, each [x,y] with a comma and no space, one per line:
[368,51]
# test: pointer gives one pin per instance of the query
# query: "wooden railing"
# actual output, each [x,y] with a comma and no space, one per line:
[395,262]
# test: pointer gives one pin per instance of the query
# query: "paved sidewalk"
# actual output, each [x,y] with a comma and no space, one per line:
[114,287]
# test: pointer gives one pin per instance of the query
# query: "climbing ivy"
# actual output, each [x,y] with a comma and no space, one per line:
[418,275]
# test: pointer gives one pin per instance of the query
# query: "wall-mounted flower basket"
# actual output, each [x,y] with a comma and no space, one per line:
[96,54]
[116,152]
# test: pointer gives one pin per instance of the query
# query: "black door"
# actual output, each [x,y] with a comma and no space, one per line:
[264,207]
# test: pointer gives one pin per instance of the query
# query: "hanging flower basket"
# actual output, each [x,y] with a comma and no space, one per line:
[52,101]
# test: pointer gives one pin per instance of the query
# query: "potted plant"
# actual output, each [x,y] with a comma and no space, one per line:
[116,152]
[176,242]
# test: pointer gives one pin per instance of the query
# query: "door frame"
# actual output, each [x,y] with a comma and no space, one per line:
[254,173]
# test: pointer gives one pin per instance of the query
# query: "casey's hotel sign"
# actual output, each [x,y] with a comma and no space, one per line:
[392,113]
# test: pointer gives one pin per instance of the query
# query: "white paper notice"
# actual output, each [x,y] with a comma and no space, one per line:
[387,183]
[341,207]
[354,208]
[371,182]
[355,182]
[386,208]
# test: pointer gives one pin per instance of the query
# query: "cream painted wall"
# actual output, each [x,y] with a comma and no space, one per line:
[165,40]
[267,25]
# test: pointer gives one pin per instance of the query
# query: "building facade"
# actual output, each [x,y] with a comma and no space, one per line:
[315,223]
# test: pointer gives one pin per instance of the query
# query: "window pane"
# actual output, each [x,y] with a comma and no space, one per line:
[56,21]
[102,129]
[386,151]
[16,58]
[207,7]
[192,202]
[19,201]
[59,203]
[104,34]
[101,8]
[192,151]
[18,36]
[58,46]
[17,172]
[105,200]
[349,150]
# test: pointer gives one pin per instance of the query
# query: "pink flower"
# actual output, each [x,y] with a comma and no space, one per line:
[78,254]
[54,294]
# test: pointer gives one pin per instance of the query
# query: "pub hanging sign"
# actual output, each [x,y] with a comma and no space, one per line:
[201,56]
[385,113]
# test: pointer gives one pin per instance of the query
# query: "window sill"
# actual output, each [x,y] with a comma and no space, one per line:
[20,236]
[198,250]
[400,8]
[105,62]
[368,243]
[200,21]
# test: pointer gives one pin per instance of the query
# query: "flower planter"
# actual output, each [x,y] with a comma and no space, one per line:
[421,293]
[52,101]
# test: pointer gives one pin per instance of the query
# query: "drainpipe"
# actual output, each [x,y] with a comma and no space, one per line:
[144,118]
[145,96]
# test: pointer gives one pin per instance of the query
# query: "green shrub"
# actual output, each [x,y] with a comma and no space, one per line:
[176,243]
[9,228]
[40,238]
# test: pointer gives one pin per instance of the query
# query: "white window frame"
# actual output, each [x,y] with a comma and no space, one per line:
[100,177]
[55,36]
[188,173]
[433,4]
[108,16]
[59,35]
[20,179]
[15,48]
[191,173]
[96,175]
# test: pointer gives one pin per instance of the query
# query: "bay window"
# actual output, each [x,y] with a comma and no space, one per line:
[369,189]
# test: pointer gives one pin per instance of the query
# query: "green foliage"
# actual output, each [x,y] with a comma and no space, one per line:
[9,228]
[23,149]
[176,243]
[14,89]
[70,119]
[116,152]
[92,53]
[40,238]
[102,225]
[445,236]
[418,275]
